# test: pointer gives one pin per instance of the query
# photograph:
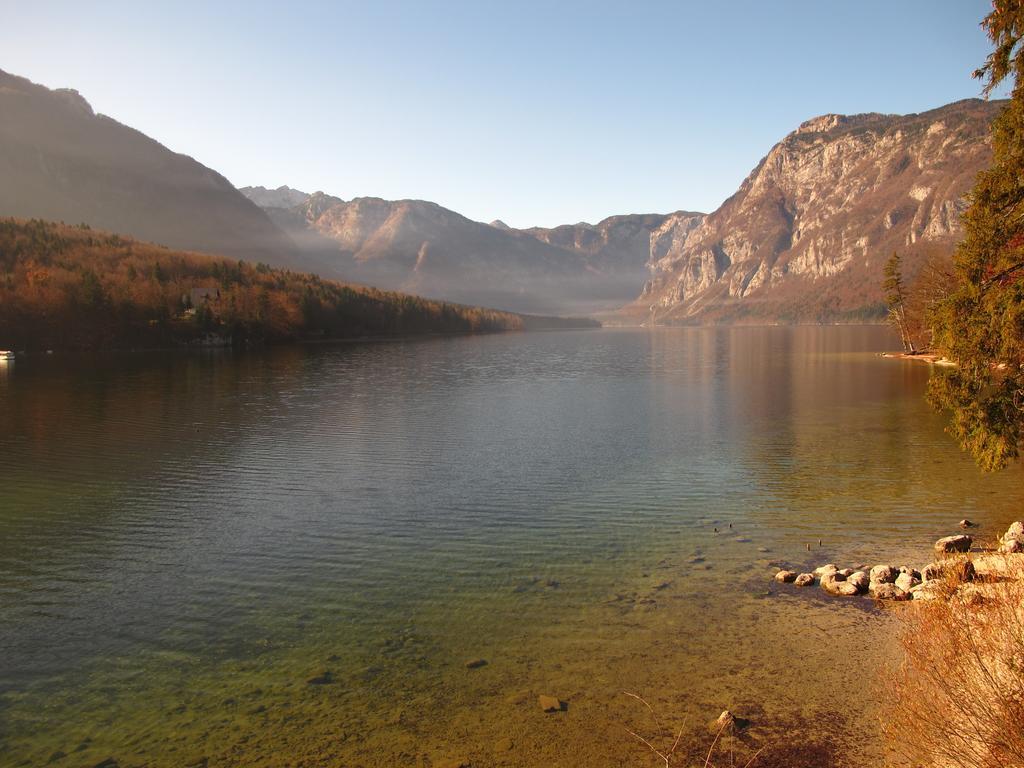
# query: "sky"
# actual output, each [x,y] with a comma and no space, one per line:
[537,113]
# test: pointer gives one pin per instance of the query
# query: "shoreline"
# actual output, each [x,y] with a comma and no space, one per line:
[921,357]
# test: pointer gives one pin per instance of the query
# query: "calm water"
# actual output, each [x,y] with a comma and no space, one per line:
[185,541]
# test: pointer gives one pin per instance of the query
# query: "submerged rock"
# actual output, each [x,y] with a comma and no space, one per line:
[786,576]
[804,580]
[961,542]
[551,704]
[965,523]
[324,678]
[476,663]
[727,722]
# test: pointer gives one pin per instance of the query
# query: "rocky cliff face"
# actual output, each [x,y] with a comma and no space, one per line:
[61,161]
[807,234]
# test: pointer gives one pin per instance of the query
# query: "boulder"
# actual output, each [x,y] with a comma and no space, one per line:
[786,576]
[906,581]
[1015,531]
[859,579]
[830,568]
[955,568]
[550,703]
[845,572]
[965,523]
[1011,546]
[836,584]
[929,590]
[804,580]
[883,590]
[961,542]
[885,574]
[998,567]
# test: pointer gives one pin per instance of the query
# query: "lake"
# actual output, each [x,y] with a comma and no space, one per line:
[287,557]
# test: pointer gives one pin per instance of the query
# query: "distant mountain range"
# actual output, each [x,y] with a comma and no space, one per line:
[803,239]
[420,247]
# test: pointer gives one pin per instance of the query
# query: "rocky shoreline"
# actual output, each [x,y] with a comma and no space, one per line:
[959,565]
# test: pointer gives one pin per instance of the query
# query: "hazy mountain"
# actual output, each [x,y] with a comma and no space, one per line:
[282,197]
[421,247]
[61,161]
[806,235]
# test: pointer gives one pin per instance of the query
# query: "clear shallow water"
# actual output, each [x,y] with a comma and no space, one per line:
[186,540]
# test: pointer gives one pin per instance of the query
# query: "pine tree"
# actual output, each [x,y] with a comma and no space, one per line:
[980,325]
[895,299]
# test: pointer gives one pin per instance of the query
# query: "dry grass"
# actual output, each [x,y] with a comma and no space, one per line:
[957,698]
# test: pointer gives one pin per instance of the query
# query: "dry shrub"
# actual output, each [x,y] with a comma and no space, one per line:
[957,698]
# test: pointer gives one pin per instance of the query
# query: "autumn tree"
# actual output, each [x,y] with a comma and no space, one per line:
[980,325]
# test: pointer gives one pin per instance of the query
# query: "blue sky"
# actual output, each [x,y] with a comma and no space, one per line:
[539,113]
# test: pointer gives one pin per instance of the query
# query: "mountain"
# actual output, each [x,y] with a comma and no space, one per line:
[806,235]
[61,161]
[423,248]
[282,197]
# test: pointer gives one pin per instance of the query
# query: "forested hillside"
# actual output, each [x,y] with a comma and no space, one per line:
[64,287]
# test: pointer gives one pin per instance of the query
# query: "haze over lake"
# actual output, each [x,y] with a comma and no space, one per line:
[236,556]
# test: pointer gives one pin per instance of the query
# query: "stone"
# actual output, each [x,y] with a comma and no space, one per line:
[860,580]
[324,678]
[998,567]
[786,576]
[804,580]
[961,542]
[727,722]
[476,663]
[906,581]
[1011,546]
[830,568]
[912,571]
[836,584]
[885,574]
[883,590]
[929,590]
[58,755]
[846,572]
[551,704]
[965,523]
[955,568]
[1015,531]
